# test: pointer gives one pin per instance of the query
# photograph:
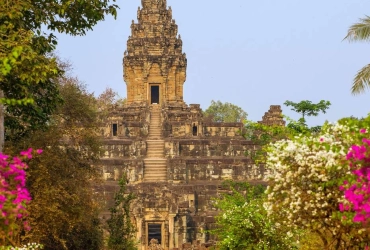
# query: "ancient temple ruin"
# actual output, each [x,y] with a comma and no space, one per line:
[174,159]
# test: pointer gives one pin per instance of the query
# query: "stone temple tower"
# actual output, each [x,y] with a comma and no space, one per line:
[154,65]
[175,161]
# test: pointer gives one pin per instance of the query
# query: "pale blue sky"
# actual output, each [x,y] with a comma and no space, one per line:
[250,53]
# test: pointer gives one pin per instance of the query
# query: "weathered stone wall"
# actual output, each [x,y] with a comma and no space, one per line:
[206,147]
[132,122]
[200,154]
[197,164]
[181,121]
[273,117]
[185,211]
[213,169]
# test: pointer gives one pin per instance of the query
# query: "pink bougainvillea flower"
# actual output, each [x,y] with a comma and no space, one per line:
[357,192]
[27,153]
[26,226]
[359,218]
[362,131]
[367,141]
[3,157]
[14,195]
[39,151]
[341,207]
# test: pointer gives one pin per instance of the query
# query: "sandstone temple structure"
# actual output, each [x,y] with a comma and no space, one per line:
[175,160]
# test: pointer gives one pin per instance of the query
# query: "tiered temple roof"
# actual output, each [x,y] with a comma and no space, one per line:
[154,55]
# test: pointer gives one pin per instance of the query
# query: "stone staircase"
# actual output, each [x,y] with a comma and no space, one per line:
[155,164]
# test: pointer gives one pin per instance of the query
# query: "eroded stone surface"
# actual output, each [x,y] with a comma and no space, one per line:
[154,56]
[174,159]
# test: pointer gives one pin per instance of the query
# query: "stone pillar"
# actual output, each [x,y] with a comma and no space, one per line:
[171,230]
[139,223]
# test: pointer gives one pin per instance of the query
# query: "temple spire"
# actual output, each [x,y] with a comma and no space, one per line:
[154,58]
[154,4]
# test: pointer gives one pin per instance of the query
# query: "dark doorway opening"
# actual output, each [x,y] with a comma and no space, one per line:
[155,232]
[195,130]
[154,94]
[115,129]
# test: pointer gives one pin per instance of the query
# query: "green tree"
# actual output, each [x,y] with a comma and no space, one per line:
[225,112]
[262,135]
[121,230]
[25,44]
[63,211]
[22,119]
[24,40]
[108,100]
[360,32]
[243,222]
[306,108]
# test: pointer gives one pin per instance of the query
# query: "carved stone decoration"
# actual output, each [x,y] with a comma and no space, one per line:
[175,160]
[154,40]
[153,245]
[274,117]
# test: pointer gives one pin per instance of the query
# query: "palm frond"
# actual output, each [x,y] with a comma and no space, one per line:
[359,31]
[361,80]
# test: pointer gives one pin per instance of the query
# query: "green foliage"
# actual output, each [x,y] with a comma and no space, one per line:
[262,135]
[307,108]
[109,100]
[243,222]
[305,173]
[225,112]
[361,82]
[23,118]
[360,32]
[25,54]
[121,230]
[24,40]
[63,211]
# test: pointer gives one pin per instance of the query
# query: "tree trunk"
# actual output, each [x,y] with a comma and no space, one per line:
[2,130]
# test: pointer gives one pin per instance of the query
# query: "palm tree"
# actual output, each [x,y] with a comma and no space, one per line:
[360,32]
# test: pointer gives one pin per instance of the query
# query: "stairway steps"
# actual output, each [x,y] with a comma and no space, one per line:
[155,173]
[155,165]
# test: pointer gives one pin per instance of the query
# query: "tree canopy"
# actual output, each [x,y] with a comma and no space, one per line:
[306,108]
[225,112]
[26,44]
[60,179]
[243,222]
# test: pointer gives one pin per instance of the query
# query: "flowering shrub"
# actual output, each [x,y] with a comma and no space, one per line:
[243,222]
[29,246]
[305,173]
[13,192]
[357,189]
[248,227]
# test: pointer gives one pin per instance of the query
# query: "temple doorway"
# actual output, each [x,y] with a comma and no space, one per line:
[154,94]
[155,232]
